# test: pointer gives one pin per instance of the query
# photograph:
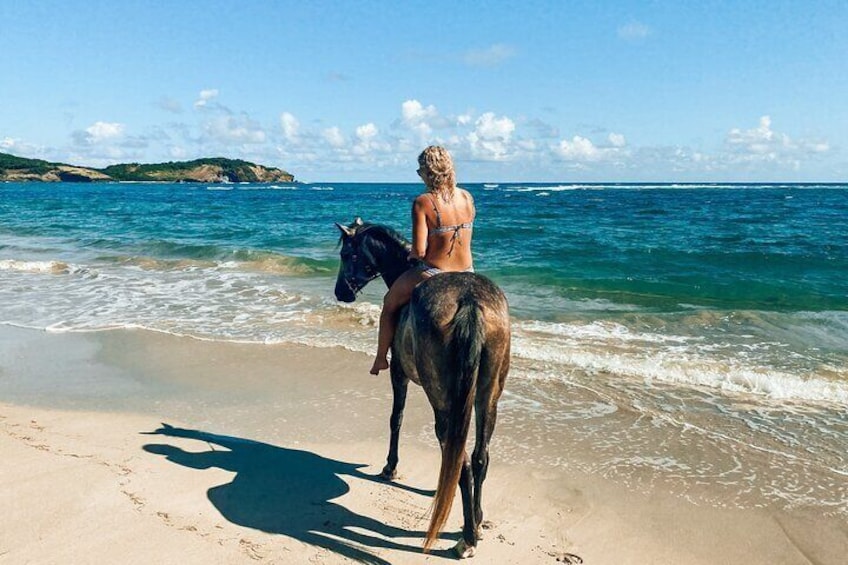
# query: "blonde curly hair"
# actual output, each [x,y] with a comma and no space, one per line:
[441,177]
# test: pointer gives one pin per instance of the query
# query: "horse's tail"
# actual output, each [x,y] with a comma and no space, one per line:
[467,346]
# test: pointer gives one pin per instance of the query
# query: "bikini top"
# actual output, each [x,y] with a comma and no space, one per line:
[455,229]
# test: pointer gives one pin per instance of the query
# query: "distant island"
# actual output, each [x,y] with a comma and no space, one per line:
[217,169]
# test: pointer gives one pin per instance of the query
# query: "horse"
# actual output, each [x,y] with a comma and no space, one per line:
[452,339]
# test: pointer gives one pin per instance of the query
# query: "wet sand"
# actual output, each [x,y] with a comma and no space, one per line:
[133,447]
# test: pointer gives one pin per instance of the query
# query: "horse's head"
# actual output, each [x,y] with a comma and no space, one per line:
[358,266]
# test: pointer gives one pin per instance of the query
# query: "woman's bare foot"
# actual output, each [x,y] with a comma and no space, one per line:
[379,365]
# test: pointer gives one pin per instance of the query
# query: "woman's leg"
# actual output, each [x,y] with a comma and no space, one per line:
[397,296]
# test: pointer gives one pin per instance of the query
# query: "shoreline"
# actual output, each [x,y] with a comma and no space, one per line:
[272,457]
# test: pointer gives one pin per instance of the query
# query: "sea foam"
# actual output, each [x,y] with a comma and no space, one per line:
[46,267]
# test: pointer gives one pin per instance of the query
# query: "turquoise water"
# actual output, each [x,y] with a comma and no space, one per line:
[720,308]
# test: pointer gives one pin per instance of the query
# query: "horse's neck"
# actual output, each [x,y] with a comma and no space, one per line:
[392,262]
[393,270]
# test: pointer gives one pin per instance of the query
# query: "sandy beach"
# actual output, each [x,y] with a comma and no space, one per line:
[135,447]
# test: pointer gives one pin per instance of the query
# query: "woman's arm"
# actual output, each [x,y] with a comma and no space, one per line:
[470,199]
[419,230]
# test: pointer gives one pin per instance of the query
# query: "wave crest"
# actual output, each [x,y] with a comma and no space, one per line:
[35,267]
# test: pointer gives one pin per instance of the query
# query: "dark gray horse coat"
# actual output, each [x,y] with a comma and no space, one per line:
[454,340]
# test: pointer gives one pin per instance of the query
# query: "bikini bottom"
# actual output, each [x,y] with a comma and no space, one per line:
[430,271]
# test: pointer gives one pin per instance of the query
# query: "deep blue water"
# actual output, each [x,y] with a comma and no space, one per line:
[731,246]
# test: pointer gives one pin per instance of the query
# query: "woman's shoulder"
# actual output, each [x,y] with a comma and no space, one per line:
[423,198]
[423,204]
[467,196]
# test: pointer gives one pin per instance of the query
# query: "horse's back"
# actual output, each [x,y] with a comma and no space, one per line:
[438,298]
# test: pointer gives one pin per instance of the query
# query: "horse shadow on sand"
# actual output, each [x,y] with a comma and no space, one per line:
[289,491]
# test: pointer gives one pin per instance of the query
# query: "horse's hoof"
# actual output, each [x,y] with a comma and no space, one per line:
[464,550]
[388,474]
[481,527]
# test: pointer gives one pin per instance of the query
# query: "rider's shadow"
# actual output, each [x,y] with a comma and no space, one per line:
[287,491]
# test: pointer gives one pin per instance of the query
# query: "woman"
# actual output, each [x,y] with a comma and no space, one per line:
[442,222]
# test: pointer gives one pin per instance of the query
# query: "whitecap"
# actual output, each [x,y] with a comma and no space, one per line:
[46,267]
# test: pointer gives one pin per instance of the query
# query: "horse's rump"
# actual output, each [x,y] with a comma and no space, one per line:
[443,309]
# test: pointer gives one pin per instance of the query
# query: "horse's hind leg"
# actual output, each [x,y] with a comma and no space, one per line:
[480,459]
[467,545]
[400,384]
[470,524]
[489,388]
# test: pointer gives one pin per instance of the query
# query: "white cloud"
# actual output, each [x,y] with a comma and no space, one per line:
[417,117]
[759,140]
[490,127]
[817,146]
[490,139]
[25,149]
[491,56]
[617,140]
[290,125]
[759,153]
[413,112]
[205,97]
[762,143]
[367,132]
[98,133]
[578,149]
[483,143]
[367,143]
[239,129]
[634,31]
[102,131]
[334,137]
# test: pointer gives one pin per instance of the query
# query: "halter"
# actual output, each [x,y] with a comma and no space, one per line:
[351,286]
[357,290]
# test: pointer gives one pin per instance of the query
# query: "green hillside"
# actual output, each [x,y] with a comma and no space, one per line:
[218,169]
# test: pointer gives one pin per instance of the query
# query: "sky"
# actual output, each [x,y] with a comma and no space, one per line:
[556,91]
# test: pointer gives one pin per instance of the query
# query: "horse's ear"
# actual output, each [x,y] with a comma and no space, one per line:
[345,230]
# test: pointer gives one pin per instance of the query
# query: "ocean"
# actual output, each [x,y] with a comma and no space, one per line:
[690,334]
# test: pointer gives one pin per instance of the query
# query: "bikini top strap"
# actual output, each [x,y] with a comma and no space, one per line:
[436,210]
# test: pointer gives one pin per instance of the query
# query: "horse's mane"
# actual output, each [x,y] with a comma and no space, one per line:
[382,233]
[385,234]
